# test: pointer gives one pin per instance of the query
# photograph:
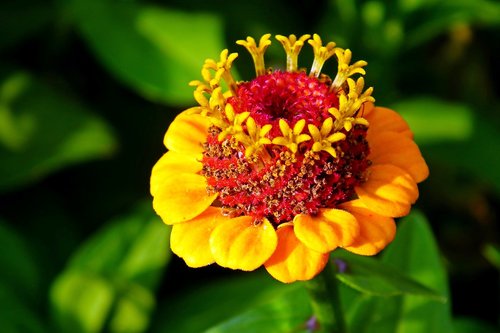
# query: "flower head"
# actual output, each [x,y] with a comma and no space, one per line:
[283,169]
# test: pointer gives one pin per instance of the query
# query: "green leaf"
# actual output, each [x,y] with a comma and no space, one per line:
[492,253]
[19,270]
[110,281]
[41,131]
[451,135]
[470,325]
[286,314]
[432,120]
[136,249]
[414,252]
[156,50]
[81,301]
[194,311]
[373,277]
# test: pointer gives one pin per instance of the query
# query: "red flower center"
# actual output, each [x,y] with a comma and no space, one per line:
[278,184]
[284,95]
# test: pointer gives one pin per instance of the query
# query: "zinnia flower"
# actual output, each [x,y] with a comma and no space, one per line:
[281,170]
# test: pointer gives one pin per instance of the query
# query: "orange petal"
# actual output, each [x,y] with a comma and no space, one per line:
[187,133]
[376,231]
[181,198]
[190,240]
[239,243]
[170,164]
[396,149]
[388,191]
[366,109]
[292,260]
[327,230]
[384,119]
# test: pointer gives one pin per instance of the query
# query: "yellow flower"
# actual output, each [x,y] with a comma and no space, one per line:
[281,170]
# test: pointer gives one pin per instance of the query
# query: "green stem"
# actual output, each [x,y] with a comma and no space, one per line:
[325,301]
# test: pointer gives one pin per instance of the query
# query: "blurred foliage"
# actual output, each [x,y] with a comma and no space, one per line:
[87,90]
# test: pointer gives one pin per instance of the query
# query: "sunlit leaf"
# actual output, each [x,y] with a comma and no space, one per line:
[41,131]
[81,301]
[285,314]
[370,276]
[156,50]
[109,283]
[414,252]
[133,248]
[207,305]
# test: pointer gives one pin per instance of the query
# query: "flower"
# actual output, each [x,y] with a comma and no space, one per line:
[283,169]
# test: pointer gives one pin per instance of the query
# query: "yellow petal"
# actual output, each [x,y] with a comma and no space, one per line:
[327,230]
[292,260]
[397,149]
[239,243]
[388,191]
[375,233]
[191,240]
[181,198]
[384,119]
[187,133]
[170,164]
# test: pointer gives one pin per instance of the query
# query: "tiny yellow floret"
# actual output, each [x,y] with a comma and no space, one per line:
[257,52]
[291,137]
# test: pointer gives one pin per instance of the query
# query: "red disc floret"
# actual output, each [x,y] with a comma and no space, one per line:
[284,95]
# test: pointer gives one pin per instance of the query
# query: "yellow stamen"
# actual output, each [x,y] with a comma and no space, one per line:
[291,137]
[222,70]
[292,48]
[356,91]
[234,124]
[344,69]
[226,61]
[321,54]
[323,138]
[256,138]
[257,52]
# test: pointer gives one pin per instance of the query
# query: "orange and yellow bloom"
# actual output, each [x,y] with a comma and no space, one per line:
[281,170]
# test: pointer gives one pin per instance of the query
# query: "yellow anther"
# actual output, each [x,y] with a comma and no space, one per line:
[292,47]
[321,54]
[291,137]
[356,91]
[324,138]
[345,115]
[233,125]
[225,63]
[344,69]
[217,102]
[200,97]
[256,138]
[257,52]
[222,70]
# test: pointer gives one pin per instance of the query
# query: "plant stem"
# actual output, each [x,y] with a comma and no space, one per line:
[325,301]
